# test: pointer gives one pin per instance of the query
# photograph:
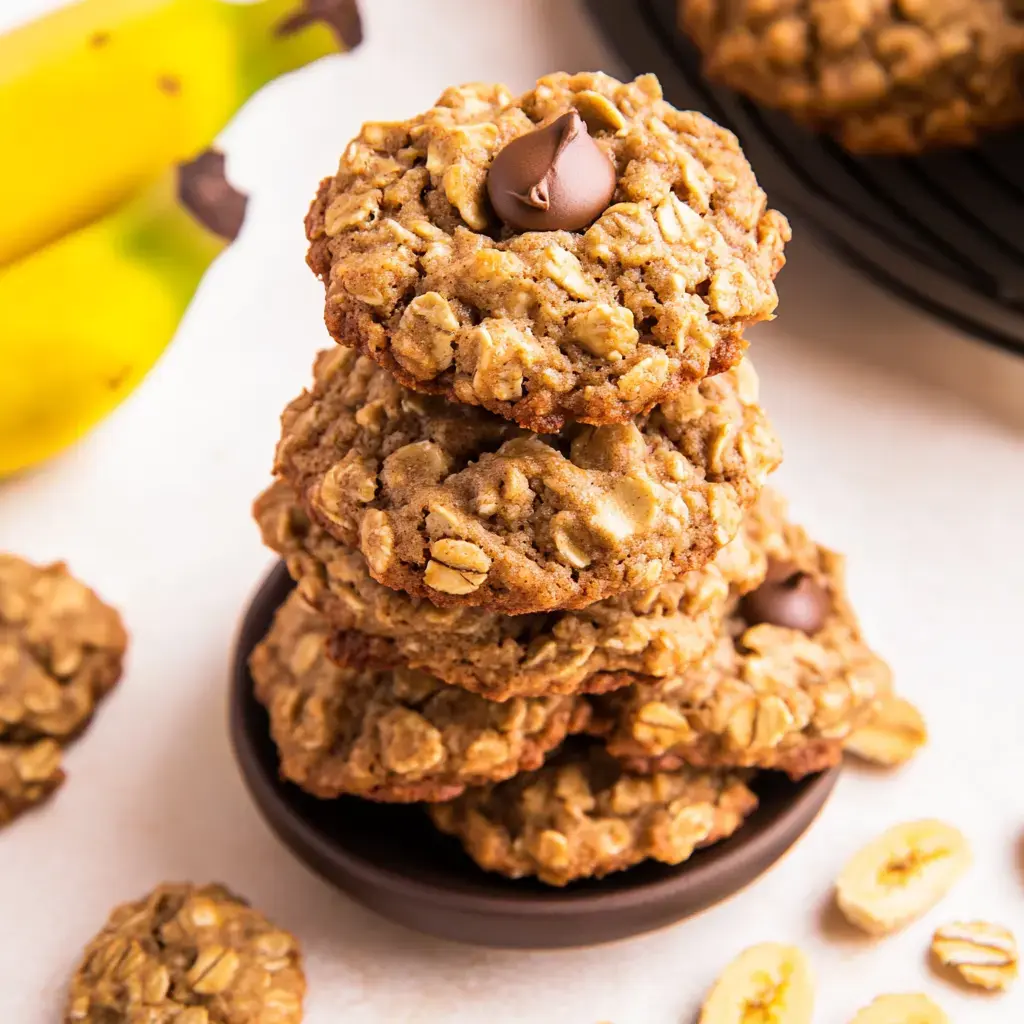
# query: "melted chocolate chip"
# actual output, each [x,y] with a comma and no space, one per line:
[554,178]
[789,598]
[204,190]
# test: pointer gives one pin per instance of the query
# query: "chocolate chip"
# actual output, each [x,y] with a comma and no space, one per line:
[788,597]
[554,178]
[204,190]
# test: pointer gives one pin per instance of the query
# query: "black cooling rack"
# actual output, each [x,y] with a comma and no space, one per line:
[944,231]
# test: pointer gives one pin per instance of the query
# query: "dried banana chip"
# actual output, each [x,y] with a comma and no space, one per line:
[983,954]
[893,736]
[901,875]
[770,982]
[901,1009]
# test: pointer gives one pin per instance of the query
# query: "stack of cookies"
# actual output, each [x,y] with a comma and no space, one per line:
[539,586]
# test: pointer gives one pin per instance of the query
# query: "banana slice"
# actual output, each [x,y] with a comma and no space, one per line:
[766,984]
[901,1009]
[901,875]
[893,736]
[984,954]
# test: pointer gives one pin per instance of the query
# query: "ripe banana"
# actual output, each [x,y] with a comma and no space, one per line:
[82,320]
[902,874]
[766,984]
[98,99]
[901,1009]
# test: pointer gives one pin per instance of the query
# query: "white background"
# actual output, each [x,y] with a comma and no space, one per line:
[905,448]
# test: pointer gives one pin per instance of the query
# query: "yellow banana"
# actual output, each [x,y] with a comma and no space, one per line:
[83,319]
[99,98]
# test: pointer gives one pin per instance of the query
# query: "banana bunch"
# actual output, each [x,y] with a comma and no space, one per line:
[100,249]
[100,98]
[84,319]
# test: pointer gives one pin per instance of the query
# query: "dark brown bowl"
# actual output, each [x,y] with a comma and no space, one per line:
[389,857]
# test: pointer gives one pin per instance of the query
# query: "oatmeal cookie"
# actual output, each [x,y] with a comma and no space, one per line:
[788,681]
[881,76]
[61,650]
[657,631]
[394,735]
[29,774]
[452,503]
[586,816]
[188,954]
[602,294]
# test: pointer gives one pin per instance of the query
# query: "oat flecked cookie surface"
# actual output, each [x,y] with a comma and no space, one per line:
[61,650]
[189,955]
[657,631]
[770,695]
[584,816]
[393,734]
[596,324]
[29,773]
[883,76]
[452,503]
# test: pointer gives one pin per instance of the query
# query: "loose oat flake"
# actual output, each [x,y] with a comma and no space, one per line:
[982,954]
[893,736]
[189,955]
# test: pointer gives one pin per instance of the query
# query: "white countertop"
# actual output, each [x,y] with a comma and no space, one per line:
[905,448]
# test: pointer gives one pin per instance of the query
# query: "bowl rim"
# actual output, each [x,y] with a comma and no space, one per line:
[292,828]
